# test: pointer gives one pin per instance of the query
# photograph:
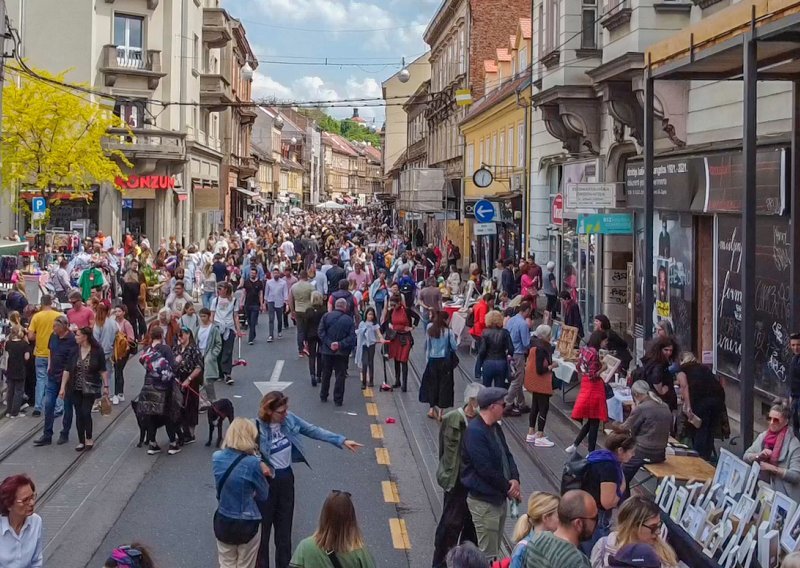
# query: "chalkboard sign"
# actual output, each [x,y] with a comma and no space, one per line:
[772,302]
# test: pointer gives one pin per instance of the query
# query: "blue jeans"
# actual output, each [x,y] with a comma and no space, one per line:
[275,312]
[207,297]
[50,398]
[41,385]
[495,373]
[252,322]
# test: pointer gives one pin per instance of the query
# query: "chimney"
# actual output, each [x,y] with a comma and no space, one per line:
[355,113]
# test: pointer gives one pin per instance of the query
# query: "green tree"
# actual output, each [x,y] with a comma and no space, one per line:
[53,139]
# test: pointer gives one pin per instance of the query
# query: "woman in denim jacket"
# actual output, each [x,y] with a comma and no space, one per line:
[240,478]
[279,433]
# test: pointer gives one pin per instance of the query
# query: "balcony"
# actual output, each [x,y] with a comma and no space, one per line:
[248,114]
[215,90]
[142,144]
[131,62]
[151,4]
[247,166]
[216,27]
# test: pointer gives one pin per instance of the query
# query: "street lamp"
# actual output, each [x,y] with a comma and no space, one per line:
[278,122]
[247,72]
[404,74]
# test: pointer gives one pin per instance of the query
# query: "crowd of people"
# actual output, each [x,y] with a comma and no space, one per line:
[353,287]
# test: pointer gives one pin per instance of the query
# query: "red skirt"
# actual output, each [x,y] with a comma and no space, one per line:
[591,402]
[400,347]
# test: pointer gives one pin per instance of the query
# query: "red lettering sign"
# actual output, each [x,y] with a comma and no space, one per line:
[145,182]
[558,210]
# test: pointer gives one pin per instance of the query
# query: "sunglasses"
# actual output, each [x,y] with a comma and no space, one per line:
[653,528]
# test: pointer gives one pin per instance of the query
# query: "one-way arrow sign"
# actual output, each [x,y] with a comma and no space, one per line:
[484,211]
[273,384]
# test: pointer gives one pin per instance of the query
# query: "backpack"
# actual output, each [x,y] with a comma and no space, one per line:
[574,471]
[121,346]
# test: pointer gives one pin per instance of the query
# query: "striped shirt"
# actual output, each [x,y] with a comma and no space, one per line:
[545,550]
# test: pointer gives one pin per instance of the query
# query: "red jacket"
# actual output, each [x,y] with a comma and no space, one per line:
[479,310]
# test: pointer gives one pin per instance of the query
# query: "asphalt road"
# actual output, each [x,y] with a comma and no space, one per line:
[171,509]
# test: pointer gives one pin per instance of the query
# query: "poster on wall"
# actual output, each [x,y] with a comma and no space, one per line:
[772,303]
[673,273]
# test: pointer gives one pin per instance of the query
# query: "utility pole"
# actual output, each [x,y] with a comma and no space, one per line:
[6,218]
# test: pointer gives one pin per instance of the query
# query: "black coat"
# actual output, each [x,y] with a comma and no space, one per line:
[337,327]
[97,365]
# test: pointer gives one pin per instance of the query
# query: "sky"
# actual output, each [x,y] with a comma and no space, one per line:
[370,36]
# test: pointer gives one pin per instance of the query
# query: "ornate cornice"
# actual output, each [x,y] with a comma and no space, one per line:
[572,115]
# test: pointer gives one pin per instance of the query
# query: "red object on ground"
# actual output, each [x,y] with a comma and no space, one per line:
[390,420]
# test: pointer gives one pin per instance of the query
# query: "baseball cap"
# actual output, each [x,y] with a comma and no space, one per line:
[635,555]
[488,396]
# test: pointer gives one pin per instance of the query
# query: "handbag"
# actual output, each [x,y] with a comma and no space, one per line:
[452,355]
[233,531]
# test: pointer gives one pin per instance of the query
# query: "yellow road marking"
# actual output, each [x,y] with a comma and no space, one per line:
[377,431]
[390,492]
[400,538]
[368,392]
[382,455]
[372,409]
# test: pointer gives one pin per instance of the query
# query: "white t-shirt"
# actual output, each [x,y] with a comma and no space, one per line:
[288,248]
[202,337]
[280,454]
[224,311]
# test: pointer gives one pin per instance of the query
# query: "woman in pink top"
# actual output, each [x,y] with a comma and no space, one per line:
[526,280]
[120,316]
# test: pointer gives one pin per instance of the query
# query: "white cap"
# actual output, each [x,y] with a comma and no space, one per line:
[551,265]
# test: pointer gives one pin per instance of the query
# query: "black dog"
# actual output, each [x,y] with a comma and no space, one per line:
[144,422]
[217,413]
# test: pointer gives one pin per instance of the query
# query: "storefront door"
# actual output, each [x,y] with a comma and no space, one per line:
[133,220]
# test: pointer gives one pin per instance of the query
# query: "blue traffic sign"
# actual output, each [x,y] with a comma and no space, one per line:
[484,211]
[38,205]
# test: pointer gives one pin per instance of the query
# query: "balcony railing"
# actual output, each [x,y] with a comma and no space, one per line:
[131,61]
[147,143]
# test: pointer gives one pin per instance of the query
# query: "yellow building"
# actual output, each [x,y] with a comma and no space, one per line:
[496,137]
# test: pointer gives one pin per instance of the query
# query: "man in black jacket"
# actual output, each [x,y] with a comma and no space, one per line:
[337,338]
[794,381]
[334,274]
[489,472]
[507,283]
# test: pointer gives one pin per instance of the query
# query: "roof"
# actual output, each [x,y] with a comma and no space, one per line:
[490,66]
[399,163]
[290,164]
[499,94]
[503,54]
[512,42]
[338,144]
[525,26]
[373,153]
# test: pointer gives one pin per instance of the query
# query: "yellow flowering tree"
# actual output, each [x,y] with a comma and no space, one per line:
[53,139]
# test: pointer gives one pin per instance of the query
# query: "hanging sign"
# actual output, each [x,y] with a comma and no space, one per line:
[558,210]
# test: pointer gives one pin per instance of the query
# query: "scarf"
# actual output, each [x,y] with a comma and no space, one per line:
[776,440]
[598,456]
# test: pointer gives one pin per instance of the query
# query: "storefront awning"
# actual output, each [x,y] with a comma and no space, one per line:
[11,247]
[247,192]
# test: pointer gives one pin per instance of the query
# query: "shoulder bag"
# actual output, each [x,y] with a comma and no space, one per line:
[452,356]
[233,531]
[334,559]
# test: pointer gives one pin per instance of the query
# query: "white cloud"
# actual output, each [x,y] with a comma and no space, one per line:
[335,14]
[265,86]
[313,88]
[367,88]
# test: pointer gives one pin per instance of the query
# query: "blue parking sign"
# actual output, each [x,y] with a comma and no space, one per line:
[38,205]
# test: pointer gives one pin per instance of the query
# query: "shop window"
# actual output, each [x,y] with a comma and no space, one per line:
[129,39]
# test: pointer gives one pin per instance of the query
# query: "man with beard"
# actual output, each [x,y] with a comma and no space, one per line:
[455,523]
[577,517]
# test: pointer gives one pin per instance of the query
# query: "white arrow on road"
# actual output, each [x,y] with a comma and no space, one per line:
[484,211]
[273,383]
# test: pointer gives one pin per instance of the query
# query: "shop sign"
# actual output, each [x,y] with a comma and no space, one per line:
[145,182]
[558,210]
[412,216]
[591,195]
[127,203]
[675,181]
[606,224]
[725,175]
[485,229]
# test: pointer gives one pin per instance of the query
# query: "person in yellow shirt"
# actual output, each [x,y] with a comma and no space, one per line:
[39,332]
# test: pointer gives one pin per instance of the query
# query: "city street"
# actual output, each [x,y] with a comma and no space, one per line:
[118,494]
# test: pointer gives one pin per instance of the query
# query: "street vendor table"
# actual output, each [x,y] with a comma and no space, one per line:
[617,403]
[683,468]
[458,324]
[565,372]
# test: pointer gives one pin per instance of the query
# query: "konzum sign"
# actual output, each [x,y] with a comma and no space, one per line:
[146,182]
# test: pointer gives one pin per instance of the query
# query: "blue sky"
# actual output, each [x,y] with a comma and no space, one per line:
[371,35]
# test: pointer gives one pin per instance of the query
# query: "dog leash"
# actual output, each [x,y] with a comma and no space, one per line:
[211,406]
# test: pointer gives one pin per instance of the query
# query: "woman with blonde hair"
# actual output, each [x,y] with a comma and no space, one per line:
[639,521]
[494,350]
[542,515]
[337,541]
[240,479]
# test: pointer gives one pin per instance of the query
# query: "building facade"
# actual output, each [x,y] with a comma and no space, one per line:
[143,52]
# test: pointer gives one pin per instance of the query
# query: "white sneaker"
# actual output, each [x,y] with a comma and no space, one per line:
[24,406]
[121,397]
[543,442]
[115,400]
[571,449]
[530,438]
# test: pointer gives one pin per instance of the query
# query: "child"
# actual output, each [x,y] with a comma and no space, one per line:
[368,335]
[19,353]
[190,319]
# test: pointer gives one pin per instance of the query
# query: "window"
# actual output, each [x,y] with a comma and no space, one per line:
[522,59]
[462,59]
[540,32]
[470,160]
[589,24]
[131,111]
[196,53]
[521,145]
[501,149]
[480,152]
[554,21]
[510,156]
[493,154]
[128,37]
